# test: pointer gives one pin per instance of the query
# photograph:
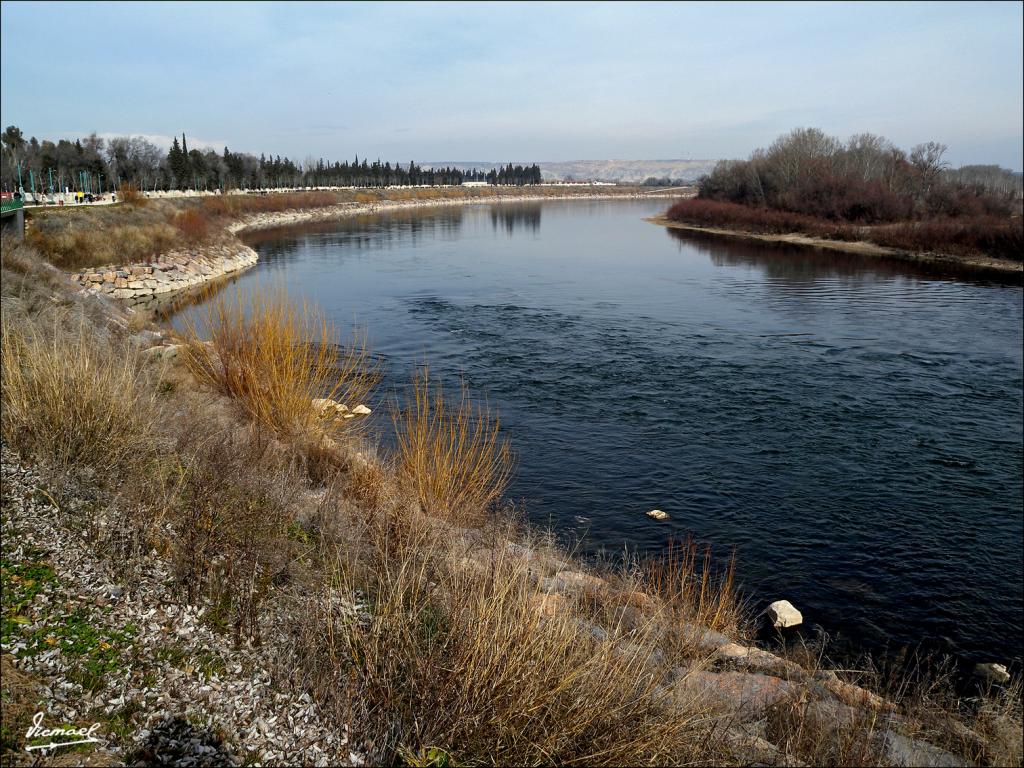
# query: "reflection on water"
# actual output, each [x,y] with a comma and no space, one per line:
[516,216]
[163,306]
[783,260]
[369,232]
[853,426]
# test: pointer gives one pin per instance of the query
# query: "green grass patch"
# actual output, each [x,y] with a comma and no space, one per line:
[20,584]
[93,651]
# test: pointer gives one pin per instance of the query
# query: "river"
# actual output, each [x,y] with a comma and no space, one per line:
[851,426]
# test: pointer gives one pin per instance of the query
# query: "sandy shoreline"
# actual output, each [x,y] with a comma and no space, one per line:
[1005,269]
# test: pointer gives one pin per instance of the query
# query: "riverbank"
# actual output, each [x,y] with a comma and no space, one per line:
[183,246]
[426,629]
[1000,269]
[284,218]
[168,275]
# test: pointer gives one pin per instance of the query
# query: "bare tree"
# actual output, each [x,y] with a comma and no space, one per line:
[990,178]
[927,159]
[866,155]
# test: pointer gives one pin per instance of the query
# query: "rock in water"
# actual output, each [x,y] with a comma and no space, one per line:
[783,614]
[996,673]
[361,410]
[657,514]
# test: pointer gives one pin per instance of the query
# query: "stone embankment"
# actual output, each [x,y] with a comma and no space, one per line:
[167,274]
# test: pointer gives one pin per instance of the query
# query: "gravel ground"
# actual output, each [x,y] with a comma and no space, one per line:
[165,687]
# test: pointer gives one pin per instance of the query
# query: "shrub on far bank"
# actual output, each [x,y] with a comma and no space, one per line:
[983,235]
[865,188]
[715,213]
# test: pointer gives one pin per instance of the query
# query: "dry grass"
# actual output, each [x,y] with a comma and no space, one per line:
[20,695]
[234,205]
[1000,723]
[77,248]
[228,499]
[74,238]
[917,702]
[985,727]
[457,664]
[69,399]
[450,452]
[275,357]
[826,733]
[17,259]
[694,594]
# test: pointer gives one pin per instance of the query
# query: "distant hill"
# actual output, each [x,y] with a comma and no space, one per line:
[622,171]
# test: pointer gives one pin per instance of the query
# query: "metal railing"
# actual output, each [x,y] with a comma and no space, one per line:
[9,206]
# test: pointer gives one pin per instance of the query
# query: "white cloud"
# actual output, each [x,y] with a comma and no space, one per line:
[164,142]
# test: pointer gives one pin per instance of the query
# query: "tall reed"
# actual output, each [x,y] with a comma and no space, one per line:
[451,452]
[276,357]
[695,593]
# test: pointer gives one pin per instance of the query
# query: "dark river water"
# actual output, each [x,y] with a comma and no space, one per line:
[852,427]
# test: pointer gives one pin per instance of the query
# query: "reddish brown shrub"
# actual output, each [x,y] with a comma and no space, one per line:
[830,196]
[130,194]
[227,205]
[976,235]
[193,225]
[711,213]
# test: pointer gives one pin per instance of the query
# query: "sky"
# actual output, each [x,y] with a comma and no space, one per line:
[518,81]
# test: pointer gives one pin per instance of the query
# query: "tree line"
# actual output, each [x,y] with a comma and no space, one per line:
[93,164]
[865,179]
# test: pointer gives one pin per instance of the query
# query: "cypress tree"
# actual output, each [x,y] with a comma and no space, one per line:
[174,157]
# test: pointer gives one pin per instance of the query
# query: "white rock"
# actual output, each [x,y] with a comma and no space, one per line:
[657,514]
[361,410]
[165,352]
[328,407]
[996,673]
[783,614]
[902,751]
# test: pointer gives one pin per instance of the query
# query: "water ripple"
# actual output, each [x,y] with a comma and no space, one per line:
[852,426]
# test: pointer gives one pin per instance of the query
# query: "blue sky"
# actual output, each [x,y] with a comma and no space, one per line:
[551,81]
